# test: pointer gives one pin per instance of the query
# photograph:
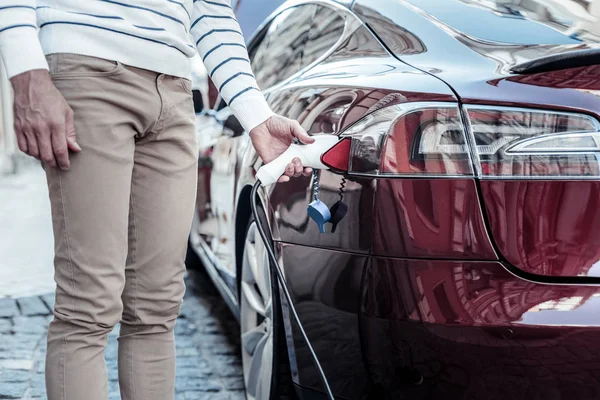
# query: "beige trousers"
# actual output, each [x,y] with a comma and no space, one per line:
[121,217]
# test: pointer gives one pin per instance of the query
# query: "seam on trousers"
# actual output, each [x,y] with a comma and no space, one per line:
[134,254]
[135,291]
[131,376]
[69,257]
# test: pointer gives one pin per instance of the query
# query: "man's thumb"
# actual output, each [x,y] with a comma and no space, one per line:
[73,145]
[301,134]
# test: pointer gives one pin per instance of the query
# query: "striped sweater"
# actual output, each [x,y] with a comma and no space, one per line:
[158,35]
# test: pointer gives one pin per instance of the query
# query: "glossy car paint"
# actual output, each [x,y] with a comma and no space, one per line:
[430,218]
[421,291]
[471,330]
[478,70]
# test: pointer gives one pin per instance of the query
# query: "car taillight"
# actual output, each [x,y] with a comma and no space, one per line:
[430,139]
[409,139]
[523,143]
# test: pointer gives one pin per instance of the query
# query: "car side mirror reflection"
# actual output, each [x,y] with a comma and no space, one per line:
[198,101]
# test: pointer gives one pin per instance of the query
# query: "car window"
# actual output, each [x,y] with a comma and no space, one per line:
[278,55]
[327,29]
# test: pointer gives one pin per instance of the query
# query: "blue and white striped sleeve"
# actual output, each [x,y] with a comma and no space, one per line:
[20,47]
[221,45]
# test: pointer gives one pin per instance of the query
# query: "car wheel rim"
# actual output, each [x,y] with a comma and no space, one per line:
[256,318]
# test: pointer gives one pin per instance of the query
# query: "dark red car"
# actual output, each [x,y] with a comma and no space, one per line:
[468,265]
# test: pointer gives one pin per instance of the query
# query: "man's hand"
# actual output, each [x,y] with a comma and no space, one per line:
[274,136]
[43,119]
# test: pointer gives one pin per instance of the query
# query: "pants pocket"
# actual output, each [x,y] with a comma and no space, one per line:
[67,66]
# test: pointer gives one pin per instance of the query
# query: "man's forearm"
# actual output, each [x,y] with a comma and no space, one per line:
[221,45]
[20,47]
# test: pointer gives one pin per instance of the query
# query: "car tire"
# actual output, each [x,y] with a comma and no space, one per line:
[263,344]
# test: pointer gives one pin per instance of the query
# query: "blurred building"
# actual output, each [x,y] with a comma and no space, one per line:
[558,14]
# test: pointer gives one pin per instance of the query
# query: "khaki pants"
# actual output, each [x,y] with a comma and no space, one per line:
[121,217]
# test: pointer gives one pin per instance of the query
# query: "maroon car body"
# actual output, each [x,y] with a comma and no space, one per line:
[470,284]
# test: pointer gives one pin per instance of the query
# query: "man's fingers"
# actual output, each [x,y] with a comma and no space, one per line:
[300,133]
[60,147]
[71,134]
[73,145]
[32,146]
[307,172]
[284,179]
[289,170]
[22,142]
[297,167]
[45,146]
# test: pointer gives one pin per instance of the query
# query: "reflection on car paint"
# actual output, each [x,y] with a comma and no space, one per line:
[431,218]
[326,286]
[456,330]
[538,228]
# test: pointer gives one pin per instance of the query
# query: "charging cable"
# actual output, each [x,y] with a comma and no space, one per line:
[254,198]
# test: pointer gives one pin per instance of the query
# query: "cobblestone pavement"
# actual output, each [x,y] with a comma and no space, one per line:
[208,360]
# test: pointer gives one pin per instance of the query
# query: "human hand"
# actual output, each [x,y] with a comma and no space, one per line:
[43,120]
[271,138]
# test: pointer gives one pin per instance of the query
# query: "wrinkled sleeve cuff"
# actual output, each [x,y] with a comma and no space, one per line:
[251,110]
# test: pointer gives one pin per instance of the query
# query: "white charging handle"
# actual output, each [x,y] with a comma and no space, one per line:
[309,154]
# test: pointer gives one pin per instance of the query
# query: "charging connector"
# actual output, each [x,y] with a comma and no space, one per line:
[254,198]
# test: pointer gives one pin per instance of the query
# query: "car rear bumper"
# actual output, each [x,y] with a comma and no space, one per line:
[423,329]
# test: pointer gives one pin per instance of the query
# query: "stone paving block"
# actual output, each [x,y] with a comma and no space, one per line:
[113,374]
[36,392]
[192,362]
[233,383]
[25,325]
[8,308]
[203,385]
[113,387]
[24,365]
[38,380]
[228,371]
[48,299]
[32,306]
[112,352]
[184,327]
[16,354]
[193,373]
[11,376]
[13,391]
[5,325]
[214,396]
[187,351]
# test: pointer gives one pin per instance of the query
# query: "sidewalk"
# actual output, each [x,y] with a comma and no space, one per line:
[26,244]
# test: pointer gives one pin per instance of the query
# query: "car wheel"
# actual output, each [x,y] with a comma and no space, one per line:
[264,353]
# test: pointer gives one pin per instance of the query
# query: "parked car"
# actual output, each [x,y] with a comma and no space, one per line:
[468,264]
